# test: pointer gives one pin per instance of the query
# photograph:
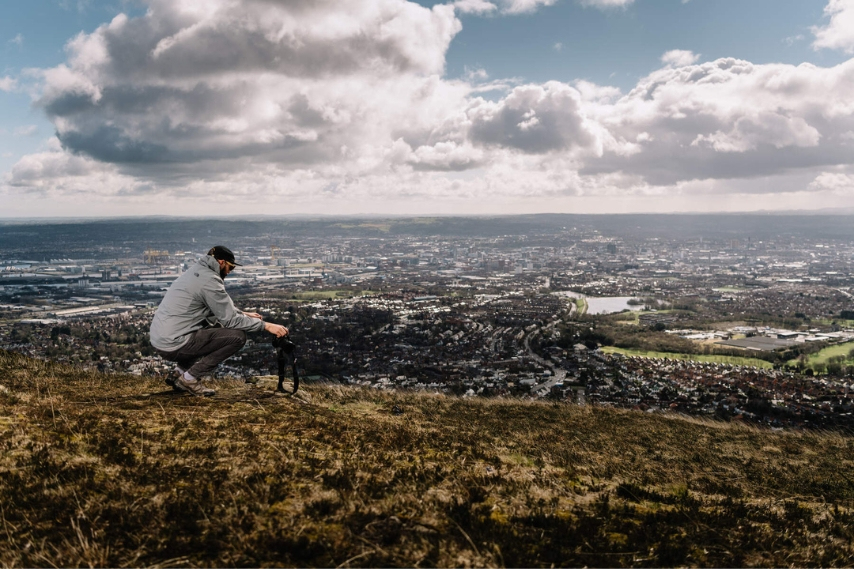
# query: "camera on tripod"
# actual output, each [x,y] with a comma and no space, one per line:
[286,350]
[285,344]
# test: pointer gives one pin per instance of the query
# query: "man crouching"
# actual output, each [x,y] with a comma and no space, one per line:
[197,326]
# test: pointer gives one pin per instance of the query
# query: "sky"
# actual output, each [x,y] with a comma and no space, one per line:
[276,107]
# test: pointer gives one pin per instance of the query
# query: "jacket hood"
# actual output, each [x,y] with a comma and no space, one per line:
[211,263]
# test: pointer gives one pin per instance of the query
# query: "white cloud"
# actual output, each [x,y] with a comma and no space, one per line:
[557,46]
[597,93]
[839,32]
[605,4]
[449,156]
[527,6]
[476,75]
[523,6]
[749,132]
[837,183]
[792,40]
[8,84]
[287,83]
[534,119]
[679,58]
[55,172]
[475,6]
[18,40]
[28,130]
[729,119]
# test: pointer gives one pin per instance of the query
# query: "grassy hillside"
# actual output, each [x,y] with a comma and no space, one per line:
[824,356]
[112,471]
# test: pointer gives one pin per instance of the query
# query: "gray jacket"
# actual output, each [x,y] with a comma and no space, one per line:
[196,300]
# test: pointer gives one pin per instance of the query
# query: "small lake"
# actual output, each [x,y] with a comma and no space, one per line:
[605,304]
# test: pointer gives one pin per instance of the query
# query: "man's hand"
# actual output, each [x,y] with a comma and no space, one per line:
[252,315]
[275,329]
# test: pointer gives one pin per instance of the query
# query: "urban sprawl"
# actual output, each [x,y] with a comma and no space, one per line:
[747,329]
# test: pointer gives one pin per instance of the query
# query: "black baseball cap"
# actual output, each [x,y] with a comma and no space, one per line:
[223,253]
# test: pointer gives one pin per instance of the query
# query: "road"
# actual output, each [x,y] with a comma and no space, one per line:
[558,375]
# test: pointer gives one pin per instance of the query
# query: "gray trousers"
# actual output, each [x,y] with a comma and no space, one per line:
[206,349]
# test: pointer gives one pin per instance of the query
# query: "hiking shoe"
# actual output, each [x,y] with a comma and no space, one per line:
[193,387]
[170,381]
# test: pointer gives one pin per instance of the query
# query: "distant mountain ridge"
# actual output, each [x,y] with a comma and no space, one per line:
[67,239]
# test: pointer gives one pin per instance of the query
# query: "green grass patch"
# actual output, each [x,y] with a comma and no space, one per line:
[822,357]
[714,359]
[313,295]
[627,318]
[632,317]
[832,321]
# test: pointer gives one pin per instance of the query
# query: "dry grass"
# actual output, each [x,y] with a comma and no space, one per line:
[101,470]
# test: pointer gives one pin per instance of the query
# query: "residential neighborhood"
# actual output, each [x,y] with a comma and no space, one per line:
[576,315]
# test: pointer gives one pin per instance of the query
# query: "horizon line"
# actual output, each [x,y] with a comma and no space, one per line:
[250,216]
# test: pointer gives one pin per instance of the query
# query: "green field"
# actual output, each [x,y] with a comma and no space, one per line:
[832,321]
[632,317]
[824,355]
[628,318]
[313,295]
[732,360]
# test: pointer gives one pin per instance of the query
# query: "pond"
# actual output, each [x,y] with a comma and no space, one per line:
[605,304]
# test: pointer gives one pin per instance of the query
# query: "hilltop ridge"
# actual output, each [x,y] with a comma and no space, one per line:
[111,470]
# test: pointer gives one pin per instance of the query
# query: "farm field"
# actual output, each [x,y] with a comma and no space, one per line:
[329,294]
[732,360]
[824,356]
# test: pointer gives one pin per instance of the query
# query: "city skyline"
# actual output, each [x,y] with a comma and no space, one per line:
[126,107]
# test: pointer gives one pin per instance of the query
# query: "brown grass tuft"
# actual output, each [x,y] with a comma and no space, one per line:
[114,470]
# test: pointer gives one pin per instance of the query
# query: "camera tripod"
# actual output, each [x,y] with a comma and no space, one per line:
[286,350]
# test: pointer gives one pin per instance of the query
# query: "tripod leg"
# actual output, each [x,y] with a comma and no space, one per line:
[280,356]
[296,375]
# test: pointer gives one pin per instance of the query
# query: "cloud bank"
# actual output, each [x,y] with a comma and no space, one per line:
[307,104]
[839,32]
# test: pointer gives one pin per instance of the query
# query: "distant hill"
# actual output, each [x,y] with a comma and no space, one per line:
[110,238]
[110,470]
